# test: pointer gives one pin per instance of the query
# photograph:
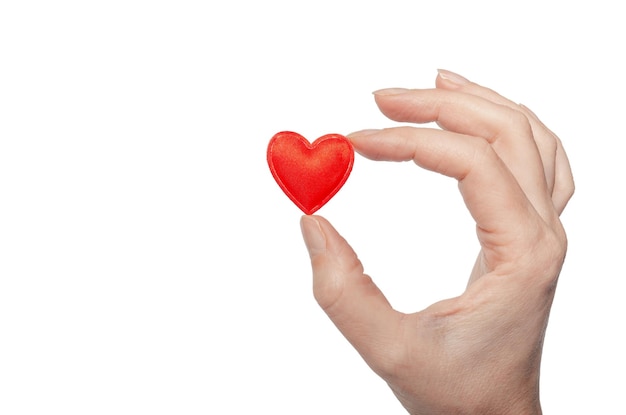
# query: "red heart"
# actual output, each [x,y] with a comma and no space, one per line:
[310,174]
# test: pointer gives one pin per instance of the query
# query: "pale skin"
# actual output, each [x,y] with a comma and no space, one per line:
[478,353]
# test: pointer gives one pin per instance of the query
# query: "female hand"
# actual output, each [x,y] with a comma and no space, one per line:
[478,353]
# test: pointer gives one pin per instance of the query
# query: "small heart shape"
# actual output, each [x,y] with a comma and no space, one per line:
[310,174]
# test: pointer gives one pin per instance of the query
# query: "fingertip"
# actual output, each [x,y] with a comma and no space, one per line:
[365,142]
[313,235]
[390,91]
[327,247]
[362,133]
[361,138]
[450,80]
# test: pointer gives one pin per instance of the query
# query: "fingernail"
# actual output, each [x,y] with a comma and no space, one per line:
[362,133]
[391,91]
[313,236]
[452,77]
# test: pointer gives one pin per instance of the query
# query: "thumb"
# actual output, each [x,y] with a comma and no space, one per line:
[348,296]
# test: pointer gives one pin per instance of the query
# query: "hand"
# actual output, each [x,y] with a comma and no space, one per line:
[478,353]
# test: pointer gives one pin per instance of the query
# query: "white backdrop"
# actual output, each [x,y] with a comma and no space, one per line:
[150,264]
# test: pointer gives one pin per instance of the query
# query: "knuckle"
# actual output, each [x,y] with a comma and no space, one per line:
[518,123]
[518,118]
[545,259]
[482,154]
[391,361]
[327,294]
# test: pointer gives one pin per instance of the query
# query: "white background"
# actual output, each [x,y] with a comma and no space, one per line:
[150,264]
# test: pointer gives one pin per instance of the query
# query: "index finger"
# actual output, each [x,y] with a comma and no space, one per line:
[493,196]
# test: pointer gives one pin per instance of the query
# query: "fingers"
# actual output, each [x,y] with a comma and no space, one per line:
[350,298]
[562,187]
[507,131]
[491,193]
[556,166]
[546,144]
